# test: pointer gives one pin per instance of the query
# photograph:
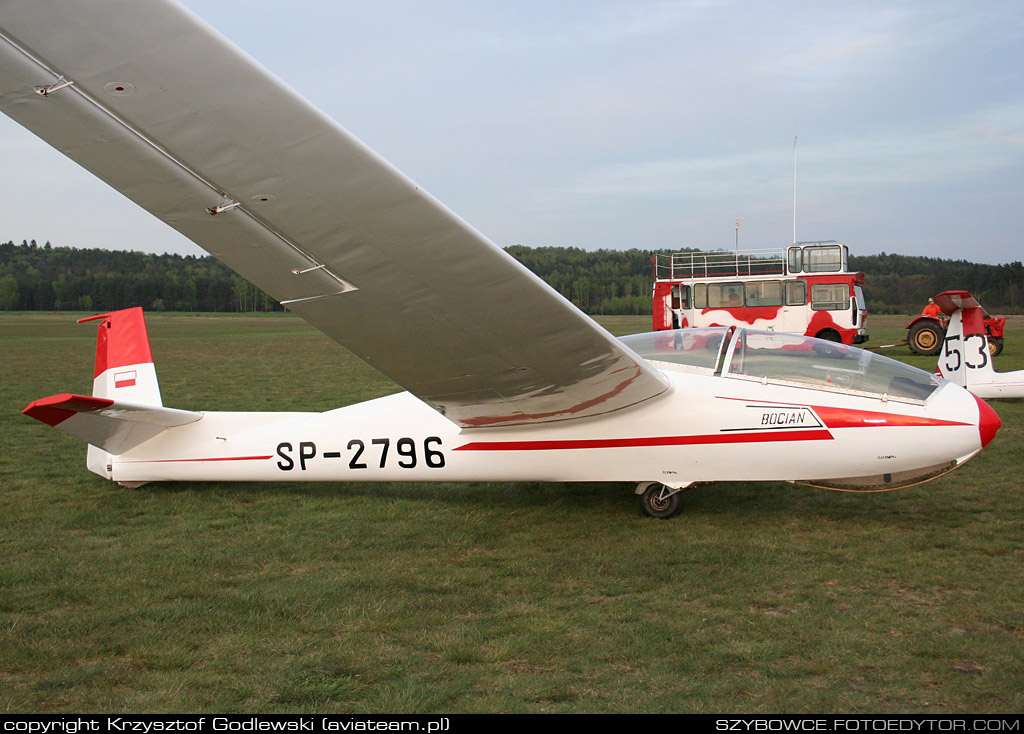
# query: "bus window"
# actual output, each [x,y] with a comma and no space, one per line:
[823,259]
[725,295]
[796,259]
[830,297]
[764,293]
[700,295]
[796,293]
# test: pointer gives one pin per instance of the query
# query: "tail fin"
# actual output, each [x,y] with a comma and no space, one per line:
[125,409]
[124,369]
[124,362]
[964,357]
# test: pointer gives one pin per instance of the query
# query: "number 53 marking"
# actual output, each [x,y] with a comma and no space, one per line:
[951,349]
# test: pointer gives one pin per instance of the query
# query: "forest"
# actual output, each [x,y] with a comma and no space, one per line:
[43,278]
[37,277]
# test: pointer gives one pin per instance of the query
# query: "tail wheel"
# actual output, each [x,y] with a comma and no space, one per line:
[925,338]
[995,346]
[661,501]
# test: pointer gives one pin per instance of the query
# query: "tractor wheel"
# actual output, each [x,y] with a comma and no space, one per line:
[925,338]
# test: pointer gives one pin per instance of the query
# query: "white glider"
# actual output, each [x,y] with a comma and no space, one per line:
[504,378]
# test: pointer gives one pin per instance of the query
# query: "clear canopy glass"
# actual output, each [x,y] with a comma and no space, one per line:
[788,359]
[823,365]
[690,347]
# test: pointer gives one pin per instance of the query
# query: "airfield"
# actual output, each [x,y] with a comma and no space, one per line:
[480,597]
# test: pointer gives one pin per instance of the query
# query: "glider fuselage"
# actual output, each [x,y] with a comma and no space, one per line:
[705,428]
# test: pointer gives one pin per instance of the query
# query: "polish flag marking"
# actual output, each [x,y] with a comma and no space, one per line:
[125,379]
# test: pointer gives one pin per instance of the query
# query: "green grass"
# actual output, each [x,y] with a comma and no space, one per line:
[479,597]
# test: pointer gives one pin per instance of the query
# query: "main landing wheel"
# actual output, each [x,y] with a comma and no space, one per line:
[661,501]
[995,346]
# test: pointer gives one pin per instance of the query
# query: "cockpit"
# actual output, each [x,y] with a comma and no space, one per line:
[784,359]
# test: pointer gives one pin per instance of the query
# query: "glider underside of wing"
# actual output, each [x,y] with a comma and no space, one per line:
[160,106]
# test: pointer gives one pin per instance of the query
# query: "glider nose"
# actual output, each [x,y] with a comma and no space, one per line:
[988,422]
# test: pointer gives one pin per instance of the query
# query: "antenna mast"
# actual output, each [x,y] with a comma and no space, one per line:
[794,189]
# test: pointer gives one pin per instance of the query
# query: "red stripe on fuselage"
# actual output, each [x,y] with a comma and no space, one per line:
[618,443]
[853,418]
[208,458]
[847,418]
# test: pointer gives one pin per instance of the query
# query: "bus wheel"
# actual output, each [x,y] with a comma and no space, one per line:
[995,346]
[925,338]
[661,501]
[824,350]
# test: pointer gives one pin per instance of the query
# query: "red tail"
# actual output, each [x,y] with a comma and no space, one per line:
[124,367]
[122,340]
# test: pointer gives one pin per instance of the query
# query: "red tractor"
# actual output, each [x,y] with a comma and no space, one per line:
[925,334]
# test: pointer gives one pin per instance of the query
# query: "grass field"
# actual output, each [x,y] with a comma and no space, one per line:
[480,597]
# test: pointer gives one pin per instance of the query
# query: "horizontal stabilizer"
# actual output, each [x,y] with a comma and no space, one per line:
[952,301]
[114,426]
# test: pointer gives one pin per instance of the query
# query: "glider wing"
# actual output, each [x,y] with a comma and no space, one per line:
[164,109]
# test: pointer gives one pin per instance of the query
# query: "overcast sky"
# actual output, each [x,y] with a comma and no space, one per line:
[635,124]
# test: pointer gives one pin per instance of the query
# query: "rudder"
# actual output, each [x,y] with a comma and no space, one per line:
[124,369]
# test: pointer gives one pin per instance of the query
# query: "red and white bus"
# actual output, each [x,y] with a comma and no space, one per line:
[804,289]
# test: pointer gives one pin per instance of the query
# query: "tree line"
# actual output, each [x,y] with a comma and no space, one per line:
[37,277]
[903,284]
[46,278]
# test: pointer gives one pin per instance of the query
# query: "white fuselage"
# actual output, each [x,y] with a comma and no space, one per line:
[998,385]
[705,428]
